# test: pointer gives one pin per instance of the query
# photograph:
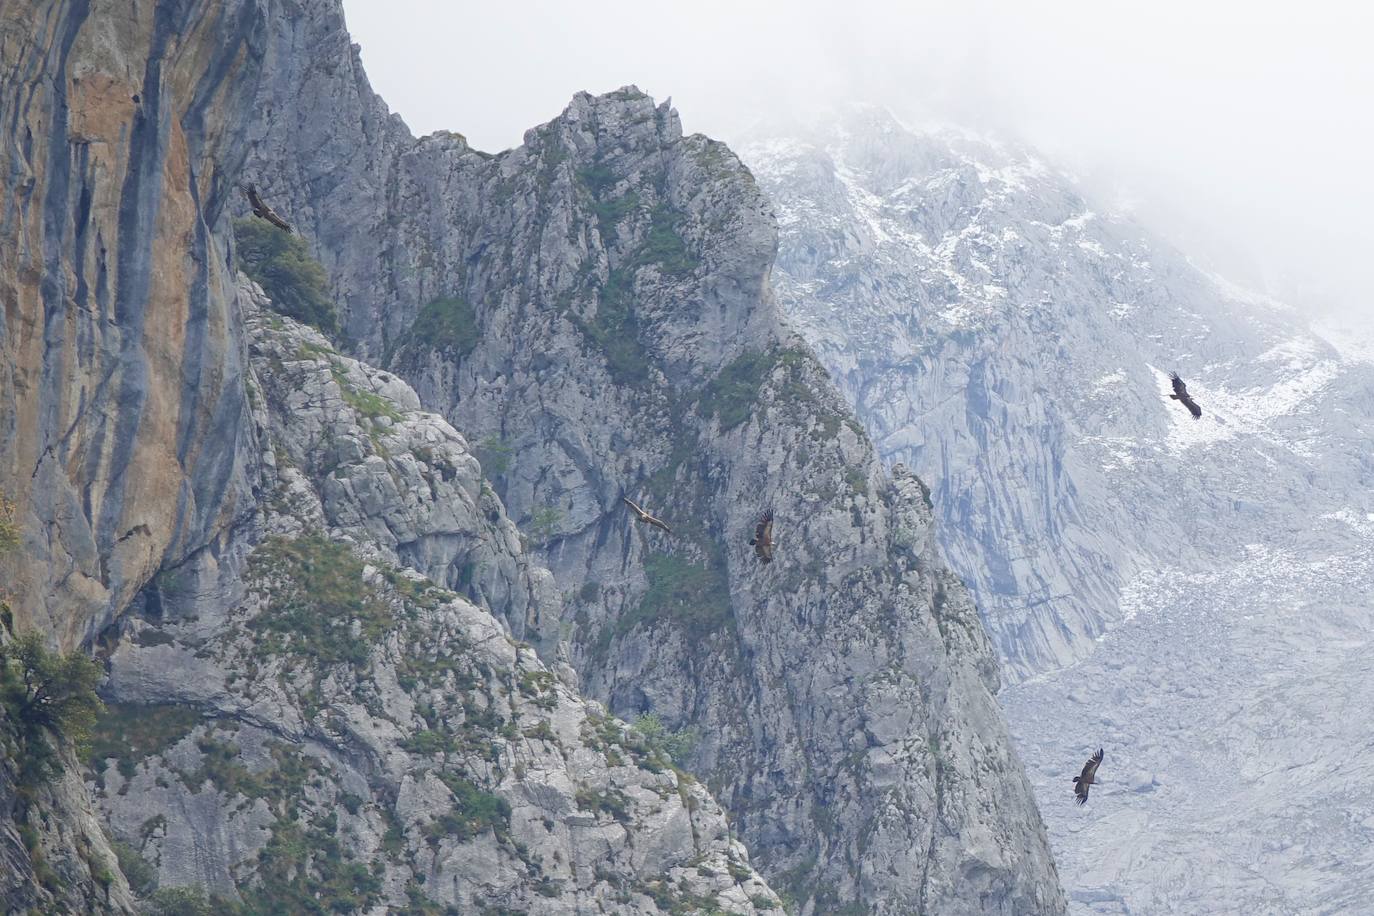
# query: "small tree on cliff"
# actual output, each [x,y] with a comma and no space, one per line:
[282,265]
[48,698]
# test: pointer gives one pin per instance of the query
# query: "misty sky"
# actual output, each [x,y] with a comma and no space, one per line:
[1240,130]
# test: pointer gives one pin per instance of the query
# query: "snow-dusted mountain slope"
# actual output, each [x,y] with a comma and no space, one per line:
[1012,343]
[1194,596]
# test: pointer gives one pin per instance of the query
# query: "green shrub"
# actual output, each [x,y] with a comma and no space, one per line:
[180,901]
[9,531]
[130,732]
[697,598]
[608,801]
[664,247]
[141,876]
[676,746]
[494,456]
[304,870]
[731,395]
[316,591]
[474,811]
[282,265]
[616,330]
[544,523]
[447,325]
[367,403]
[47,697]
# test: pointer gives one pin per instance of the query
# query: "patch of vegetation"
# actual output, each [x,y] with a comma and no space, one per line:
[664,247]
[696,598]
[539,685]
[417,904]
[731,395]
[447,325]
[674,746]
[316,598]
[282,265]
[9,531]
[856,480]
[494,456]
[303,869]
[182,901]
[129,732]
[140,874]
[606,801]
[615,330]
[367,403]
[428,742]
[49,699]
[541,732]
[544,523]
[473,812]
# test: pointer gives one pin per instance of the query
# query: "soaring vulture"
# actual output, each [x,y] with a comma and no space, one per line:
[646,517]
[1181,394]
[262,211]
[1083,782]
[762,541]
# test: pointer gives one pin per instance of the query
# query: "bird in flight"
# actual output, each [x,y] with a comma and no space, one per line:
[1082,782]
[262,211]
[762,541]
[1181,394]
[645,517]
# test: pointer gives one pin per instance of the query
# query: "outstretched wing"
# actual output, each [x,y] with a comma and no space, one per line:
[763,538]
[658,523]
[1089,775]
[1181,395]
[637,511]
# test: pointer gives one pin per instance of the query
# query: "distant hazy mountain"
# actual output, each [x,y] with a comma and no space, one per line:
[1012,342]
[1013,345]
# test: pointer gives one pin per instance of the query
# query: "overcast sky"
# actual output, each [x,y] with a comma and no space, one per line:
[1240,130]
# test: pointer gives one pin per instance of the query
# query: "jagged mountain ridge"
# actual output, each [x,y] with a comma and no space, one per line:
[832,790]
[1012,341]
[609,328]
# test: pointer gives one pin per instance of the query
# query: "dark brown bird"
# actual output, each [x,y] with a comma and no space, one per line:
[1082,782]
[762,541]
[646,517]
[1181,394]
[262,211]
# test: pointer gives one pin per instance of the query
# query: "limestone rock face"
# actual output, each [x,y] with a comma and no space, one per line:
[123,441]
[307,701]
[593,310]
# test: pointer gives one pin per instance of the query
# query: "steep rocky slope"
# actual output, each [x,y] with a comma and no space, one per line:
[593,309]
[1206,582]
[1012,344]
[302,711]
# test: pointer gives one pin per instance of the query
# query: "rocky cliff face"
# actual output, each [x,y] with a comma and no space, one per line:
[1012,343]
[303,711]
[593,309]
[338,671]
[123,441]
